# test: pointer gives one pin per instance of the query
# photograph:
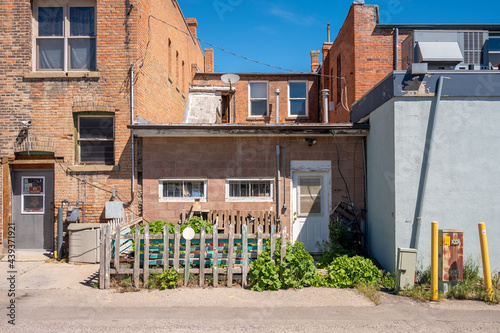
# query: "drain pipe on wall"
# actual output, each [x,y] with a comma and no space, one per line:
[324,93]
[277,106]
[396,56]
[278,201]
[417,219]
[132,116]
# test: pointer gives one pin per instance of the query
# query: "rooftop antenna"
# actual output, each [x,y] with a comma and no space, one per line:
[230,78]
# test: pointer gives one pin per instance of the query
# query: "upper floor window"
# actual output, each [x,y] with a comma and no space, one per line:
[297,99]
[96,139]
[258,99]
[65,35]
[494,46]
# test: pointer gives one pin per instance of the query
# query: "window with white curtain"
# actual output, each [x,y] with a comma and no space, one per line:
[65,35]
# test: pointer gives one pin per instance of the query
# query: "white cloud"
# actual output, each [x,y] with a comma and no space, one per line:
[292,17]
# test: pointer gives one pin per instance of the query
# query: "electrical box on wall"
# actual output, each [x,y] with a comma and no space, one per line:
[451,258]
[72,214]
[114,209]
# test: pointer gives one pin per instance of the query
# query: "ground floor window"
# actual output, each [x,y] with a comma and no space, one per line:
[249,189]
[183,189]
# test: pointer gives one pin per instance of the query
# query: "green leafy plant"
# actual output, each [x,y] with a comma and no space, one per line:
[339,244]
[166,280]
[196,222]
[346,272]
[296,270]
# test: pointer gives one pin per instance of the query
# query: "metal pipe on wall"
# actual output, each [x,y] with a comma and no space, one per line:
[425,167]
[132,123]
[278,201]
[325,93]
[277,106]
[396,57]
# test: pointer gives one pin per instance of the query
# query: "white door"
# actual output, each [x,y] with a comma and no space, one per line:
[310,208]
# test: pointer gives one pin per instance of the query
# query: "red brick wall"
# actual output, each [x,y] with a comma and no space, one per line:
[275,81]
[367,57]
[164,67]
[216,158]
[51,103]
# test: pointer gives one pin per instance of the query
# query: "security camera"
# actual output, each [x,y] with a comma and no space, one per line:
[26,123]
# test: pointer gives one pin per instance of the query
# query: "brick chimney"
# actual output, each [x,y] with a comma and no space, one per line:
[314,60]
[193,25]
[209,60]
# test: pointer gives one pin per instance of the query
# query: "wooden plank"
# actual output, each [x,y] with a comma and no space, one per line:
[273,242]
[244,272]
[238,222]
[259,239]
[166,247]
[230,256]
[137,255]
[283,243]
[215,249]
[145,268]
[177,241]
[187,262]
[107,259]
[117,248]
[183,216]
[202,256]
[102,252]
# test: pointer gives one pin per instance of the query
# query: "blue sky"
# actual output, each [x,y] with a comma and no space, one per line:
[282,33]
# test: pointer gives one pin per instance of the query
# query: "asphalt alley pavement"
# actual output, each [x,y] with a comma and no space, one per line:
[59,297]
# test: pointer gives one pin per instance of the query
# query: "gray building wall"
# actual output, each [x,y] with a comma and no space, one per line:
[380,186]
[463,184]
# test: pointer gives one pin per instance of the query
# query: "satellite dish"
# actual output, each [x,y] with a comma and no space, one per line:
[230,78]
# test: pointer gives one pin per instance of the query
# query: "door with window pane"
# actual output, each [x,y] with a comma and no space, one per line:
[32,208]
[310,208]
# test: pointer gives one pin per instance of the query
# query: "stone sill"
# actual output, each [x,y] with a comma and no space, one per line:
[258,118]
[93,168]
[62,75]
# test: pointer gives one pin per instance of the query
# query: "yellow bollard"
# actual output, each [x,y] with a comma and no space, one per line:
[434,261]
[486,261]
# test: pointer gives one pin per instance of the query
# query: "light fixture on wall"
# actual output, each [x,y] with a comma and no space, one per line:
[310,141]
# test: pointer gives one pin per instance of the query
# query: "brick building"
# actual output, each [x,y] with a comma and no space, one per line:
[65,88]
[365,52]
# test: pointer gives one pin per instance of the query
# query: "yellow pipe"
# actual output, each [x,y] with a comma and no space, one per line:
[434,261]
[486,261]
[55,254]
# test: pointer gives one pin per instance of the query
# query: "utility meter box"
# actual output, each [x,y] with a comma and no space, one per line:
[114,209]
[405,275]
[72,214]
[84,240]
[451,258]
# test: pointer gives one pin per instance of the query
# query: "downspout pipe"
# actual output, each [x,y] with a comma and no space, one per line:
[60,237]
[396,56]
[83,210]
[417,219]
[278,201]
[277,106]
[324,94]
[132,117]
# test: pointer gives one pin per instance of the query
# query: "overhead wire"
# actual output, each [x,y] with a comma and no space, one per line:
[143,57]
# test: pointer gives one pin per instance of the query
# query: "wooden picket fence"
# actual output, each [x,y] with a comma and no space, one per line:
[214,254]
[251,218]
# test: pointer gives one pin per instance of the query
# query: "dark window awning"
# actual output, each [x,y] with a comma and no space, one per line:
[441,52]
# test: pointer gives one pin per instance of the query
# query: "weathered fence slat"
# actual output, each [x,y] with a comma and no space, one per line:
[244,271]
[215,246]
[177,241]
[145,277]
[137,255]
[259,239]
[273,243]
[230,256]
[102,258]
[283,243]
[202,256]
[166,242]
[107,258]
[117,248]
[186,262]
